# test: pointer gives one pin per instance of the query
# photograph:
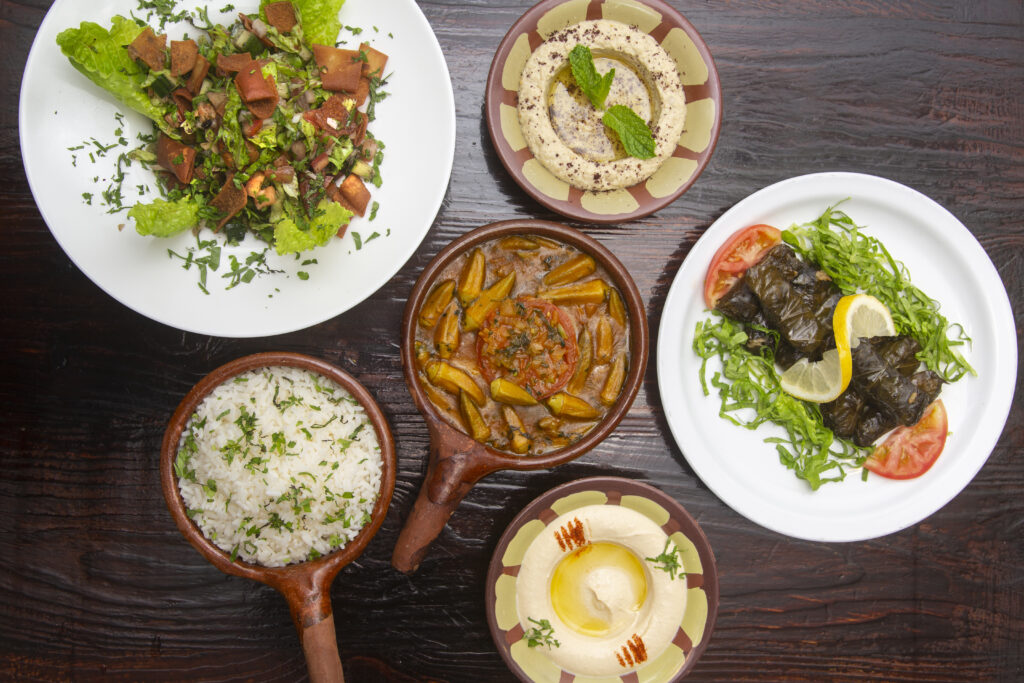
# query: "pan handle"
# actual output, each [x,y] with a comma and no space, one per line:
[456,464]
[310,603]
[320,643]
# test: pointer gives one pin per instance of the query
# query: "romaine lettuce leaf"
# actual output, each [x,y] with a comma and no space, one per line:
[230,132]
[102,56]
[289,238]
[161,218]
[318,19]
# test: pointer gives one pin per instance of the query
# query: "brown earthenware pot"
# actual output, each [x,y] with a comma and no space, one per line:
[306,586]
[457,461]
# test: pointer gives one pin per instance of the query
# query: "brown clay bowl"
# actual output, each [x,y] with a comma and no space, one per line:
[456,461]
[306,586]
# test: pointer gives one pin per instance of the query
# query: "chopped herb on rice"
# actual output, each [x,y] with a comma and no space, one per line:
[254,480]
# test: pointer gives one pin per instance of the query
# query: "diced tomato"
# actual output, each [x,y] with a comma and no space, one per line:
[531,342]
[252,128]
[742,250]
[911,451]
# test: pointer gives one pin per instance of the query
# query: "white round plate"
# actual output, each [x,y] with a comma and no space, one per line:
[61,108]
[947,263]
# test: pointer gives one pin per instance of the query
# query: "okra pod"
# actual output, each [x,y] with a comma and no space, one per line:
[616,308]
[446,334]
[472,419]
[589,292]
[452,379]
[519,243]
[613,382]
[583,362]
[488,299]
[575,268]
[516,431]
[507,391]
[471,279]
[604,341]
[567,405]
[436,302]
[551,426]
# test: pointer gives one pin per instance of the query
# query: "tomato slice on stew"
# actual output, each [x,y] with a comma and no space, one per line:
[911,451]
[742,250]
[531,342]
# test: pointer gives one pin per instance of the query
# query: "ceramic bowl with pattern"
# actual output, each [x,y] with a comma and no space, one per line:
[516,634]
[701,87]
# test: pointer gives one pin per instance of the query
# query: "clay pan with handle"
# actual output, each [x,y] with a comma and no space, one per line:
[306,585]
[456,461]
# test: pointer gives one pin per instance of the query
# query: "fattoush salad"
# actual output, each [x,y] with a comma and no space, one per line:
[261,127]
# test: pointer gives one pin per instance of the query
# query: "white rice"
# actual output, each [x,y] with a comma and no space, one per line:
[299,482]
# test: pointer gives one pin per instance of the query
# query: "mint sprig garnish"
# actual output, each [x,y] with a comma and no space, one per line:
[633,132]
[593,85]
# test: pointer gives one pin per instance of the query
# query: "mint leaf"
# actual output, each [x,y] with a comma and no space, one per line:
[633,132]
[593,85]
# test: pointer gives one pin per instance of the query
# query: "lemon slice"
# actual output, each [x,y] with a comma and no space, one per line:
[856,316]
[861,316]
[821,381]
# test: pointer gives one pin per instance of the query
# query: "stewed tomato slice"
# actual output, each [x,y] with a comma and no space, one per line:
[742,250]
[911,451]
[530,342]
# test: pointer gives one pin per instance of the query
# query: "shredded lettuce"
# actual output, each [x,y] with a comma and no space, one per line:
[161,218]
[748,387]
[102,56]
[289,238]
[266,138]
[230,132]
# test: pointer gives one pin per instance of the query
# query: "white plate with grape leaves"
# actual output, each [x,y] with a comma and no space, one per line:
[947,263]
[60,108]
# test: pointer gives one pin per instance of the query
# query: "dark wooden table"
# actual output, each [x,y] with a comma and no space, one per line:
[96,582]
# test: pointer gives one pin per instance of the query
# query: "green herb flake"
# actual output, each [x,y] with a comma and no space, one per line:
[669,561]
[541,634]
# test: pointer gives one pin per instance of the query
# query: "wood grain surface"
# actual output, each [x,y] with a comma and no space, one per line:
[96,583]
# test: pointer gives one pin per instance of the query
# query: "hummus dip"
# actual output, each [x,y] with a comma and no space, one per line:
[610,609]
[564,130]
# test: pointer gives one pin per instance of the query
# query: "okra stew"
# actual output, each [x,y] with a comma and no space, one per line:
[523,342]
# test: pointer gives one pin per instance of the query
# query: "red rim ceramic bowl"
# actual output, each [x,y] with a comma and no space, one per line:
[701,87]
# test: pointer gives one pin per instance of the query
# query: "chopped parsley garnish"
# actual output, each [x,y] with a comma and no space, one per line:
[669,561]
[541,634]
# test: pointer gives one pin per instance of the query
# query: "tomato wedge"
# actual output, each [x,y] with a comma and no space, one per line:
[911,451]
[742,250]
